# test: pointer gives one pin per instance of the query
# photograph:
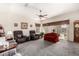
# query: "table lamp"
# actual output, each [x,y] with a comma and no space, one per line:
[9,35]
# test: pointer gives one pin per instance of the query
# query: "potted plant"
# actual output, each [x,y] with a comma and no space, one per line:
[41,34]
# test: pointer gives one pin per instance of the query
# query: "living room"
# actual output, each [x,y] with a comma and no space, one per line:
[28,28]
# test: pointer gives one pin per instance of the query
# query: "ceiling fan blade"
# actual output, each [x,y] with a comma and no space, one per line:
[45,15]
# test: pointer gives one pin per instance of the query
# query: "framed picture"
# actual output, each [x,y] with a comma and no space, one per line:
[24,25]
[15,24]
[31,25]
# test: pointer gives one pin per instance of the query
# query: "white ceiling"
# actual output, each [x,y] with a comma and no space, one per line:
[54,9]
[32,9]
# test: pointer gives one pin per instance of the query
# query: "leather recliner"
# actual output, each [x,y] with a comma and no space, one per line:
[19,37]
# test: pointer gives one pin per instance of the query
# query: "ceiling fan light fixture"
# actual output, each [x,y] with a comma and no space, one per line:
[41,15]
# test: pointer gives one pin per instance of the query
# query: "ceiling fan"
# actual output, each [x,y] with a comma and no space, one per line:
[41,15]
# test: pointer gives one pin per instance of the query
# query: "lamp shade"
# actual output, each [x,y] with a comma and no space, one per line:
[9,33]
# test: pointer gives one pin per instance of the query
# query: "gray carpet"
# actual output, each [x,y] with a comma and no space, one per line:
[44,48]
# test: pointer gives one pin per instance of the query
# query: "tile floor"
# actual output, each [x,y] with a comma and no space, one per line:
[44,48]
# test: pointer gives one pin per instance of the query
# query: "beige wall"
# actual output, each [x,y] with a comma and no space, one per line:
[14,13]
[7,20]
[72,16]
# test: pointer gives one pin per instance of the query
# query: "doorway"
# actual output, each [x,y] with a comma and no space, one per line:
[63,31]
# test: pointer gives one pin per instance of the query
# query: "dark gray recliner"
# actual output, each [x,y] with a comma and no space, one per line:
[33,35]
[19,37]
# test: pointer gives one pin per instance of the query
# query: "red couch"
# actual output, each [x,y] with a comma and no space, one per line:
[51,37]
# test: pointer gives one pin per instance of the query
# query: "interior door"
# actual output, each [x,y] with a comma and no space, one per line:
[76,31]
